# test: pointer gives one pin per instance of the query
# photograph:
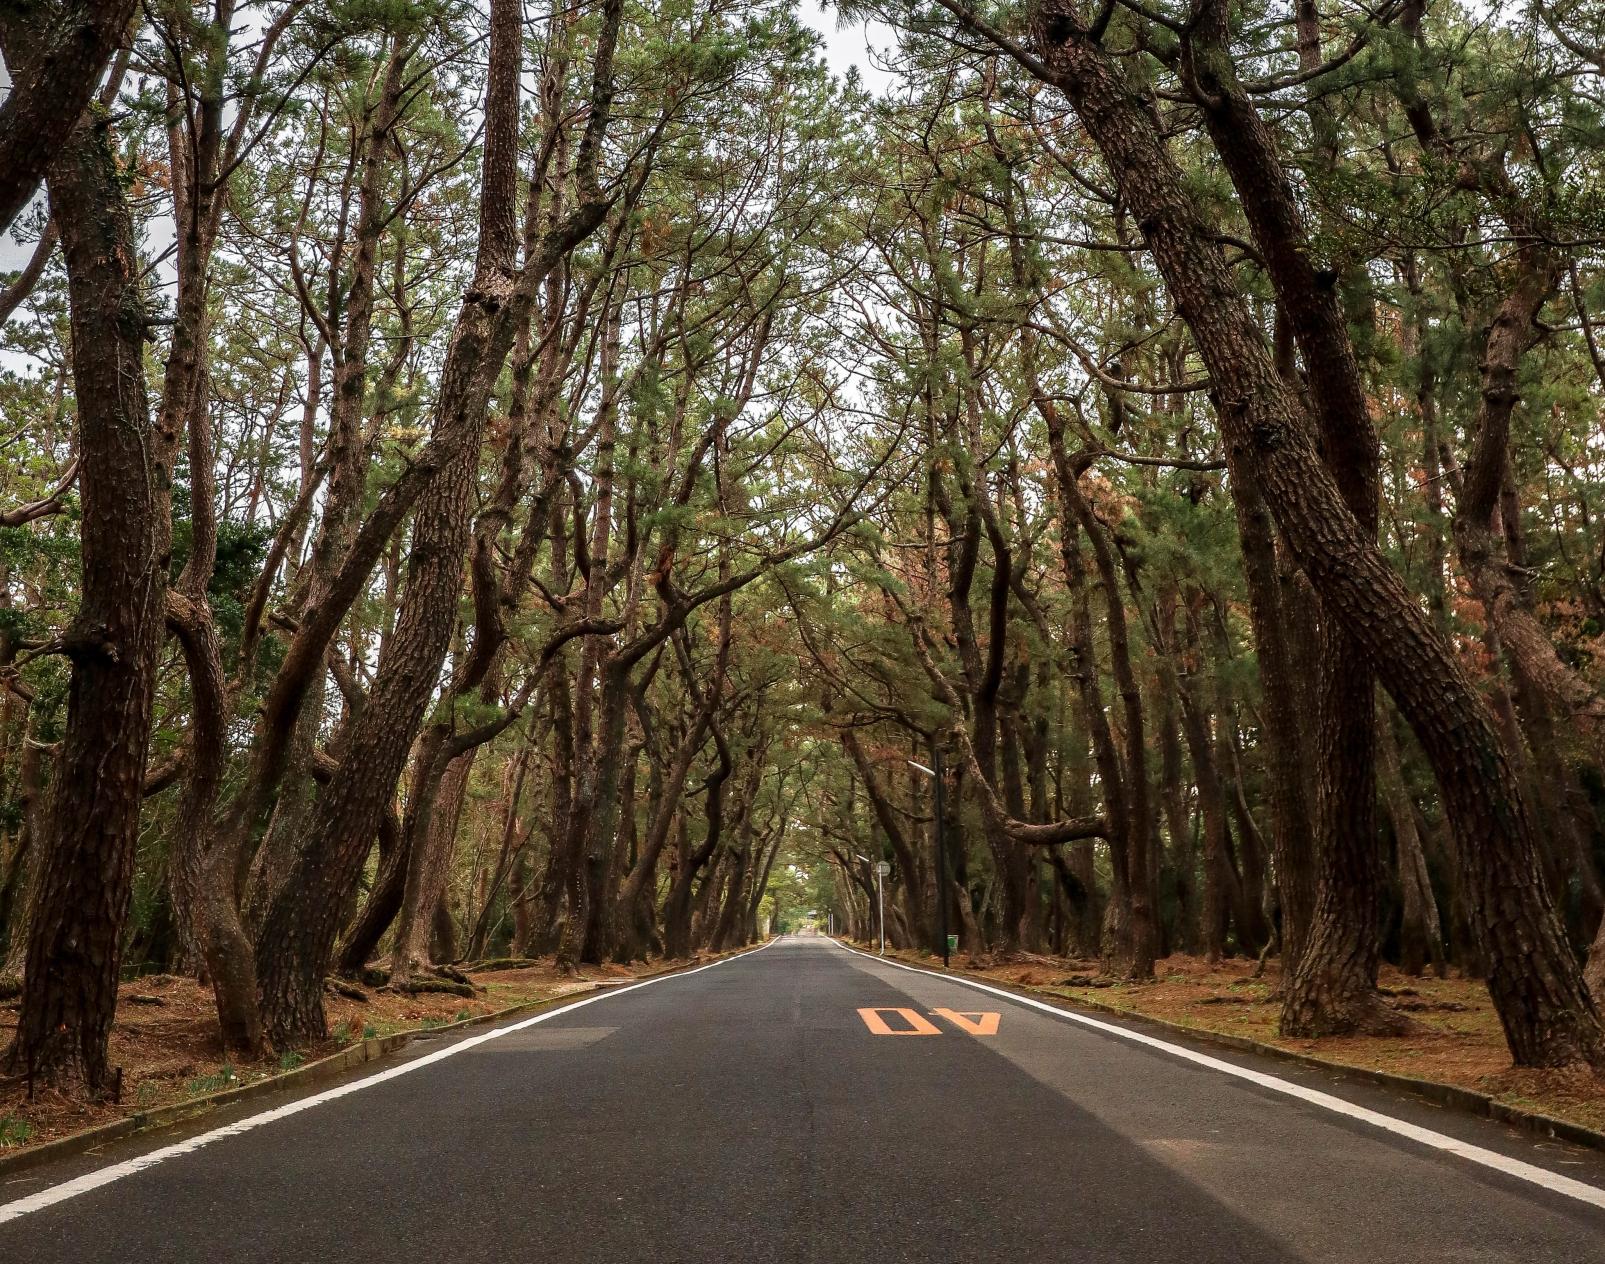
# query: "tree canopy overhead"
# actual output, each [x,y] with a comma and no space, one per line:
[505,479]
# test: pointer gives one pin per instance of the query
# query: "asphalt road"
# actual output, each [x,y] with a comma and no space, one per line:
[749,1112]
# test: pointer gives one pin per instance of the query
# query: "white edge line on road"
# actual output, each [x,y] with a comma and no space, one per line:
[116,1171]
[1551,1181]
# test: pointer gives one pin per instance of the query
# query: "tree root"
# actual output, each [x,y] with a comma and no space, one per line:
[501,963]
[1364,1015]
[341,988]
[426,983]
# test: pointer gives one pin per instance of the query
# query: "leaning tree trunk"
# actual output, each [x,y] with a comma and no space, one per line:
[1537,987]
[1332,988]
[298,934]
[297,938]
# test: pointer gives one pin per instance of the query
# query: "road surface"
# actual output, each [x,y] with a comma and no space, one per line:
[749,1111]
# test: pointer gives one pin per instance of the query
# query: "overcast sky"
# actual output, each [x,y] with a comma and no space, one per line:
[847,46]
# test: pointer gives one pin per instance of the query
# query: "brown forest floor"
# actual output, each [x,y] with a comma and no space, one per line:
[1462,1043]
[166,1041]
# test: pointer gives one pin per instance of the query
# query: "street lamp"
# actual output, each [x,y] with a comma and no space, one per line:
[881,870]
[935,774]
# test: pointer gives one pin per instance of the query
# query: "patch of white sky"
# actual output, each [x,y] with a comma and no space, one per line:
[851,45]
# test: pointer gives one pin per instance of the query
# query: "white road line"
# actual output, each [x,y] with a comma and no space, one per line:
[1424,1136]
[116,1171]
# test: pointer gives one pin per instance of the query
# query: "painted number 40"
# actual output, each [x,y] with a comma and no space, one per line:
[888,1021]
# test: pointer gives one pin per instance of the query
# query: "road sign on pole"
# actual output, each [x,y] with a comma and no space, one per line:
[881,870]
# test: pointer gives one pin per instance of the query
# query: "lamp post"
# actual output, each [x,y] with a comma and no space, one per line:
[881,869]
[935,774]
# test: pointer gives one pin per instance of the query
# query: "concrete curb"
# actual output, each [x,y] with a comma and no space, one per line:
[1451,1095]
[363,1051]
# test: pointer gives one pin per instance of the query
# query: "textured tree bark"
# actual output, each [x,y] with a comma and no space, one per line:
[216,853]
[1482,553]
[86,878]
[56,51]
[297,938]
[1129,913]
[1594,969]
[1536,985]
[287,824]
[1142,928]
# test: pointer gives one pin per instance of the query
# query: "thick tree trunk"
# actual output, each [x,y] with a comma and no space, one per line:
[86,877]
[297,938]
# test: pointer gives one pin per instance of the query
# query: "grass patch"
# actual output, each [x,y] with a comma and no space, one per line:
[224,1077]
[14,1131]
